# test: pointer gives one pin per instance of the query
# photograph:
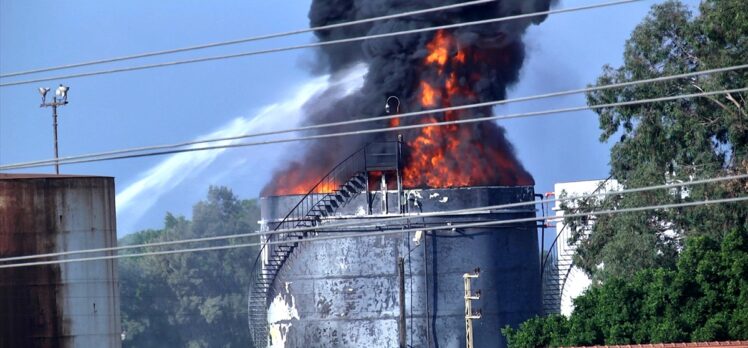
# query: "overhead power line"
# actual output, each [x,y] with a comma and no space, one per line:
[358,120]
[247,39]
[382,233]
[319,44]
[391,129]
[385,220]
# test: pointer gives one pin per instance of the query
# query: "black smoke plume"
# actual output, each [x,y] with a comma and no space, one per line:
[395,67]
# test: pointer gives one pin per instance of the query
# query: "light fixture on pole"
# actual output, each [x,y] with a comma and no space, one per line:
[389,103]
[60,99]
[43,91]
[62,93]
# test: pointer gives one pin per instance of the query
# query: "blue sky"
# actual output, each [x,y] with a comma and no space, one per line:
[182,103]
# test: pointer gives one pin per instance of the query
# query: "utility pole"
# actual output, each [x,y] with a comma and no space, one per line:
[400,198]
[469,314]
[62,94]
[401,320]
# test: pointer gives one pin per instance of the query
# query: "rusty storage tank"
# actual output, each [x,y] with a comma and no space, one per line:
[63,305]
[345,292]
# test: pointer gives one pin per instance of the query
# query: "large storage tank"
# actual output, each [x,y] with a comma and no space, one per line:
[64,305]
[345,292]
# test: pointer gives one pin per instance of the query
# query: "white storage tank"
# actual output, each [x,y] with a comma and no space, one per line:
[61,305]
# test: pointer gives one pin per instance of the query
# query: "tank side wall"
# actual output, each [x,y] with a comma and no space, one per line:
[509,281]
[91,291]
[344,292]
[72,304]
[30,313]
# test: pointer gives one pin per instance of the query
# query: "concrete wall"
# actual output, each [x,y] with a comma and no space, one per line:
[65,305]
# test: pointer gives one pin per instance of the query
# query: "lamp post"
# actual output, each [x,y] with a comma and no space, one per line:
[60,99]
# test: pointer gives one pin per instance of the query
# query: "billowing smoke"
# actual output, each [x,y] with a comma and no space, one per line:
[427,70]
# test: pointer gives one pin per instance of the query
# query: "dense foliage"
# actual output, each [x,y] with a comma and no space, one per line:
[194,299]
[705,298]
[673,275]
[671,141]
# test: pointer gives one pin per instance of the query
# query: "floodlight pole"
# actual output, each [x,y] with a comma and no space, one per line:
[54,104]
[54,125]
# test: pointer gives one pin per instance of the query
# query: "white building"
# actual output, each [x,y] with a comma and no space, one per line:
[563,281]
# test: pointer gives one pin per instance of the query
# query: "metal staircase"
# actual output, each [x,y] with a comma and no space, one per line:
[556,272]
[551,285]
[558,265]
[344,182]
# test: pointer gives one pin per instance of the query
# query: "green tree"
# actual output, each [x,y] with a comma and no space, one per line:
[672,141]
[146,299]
[705,298]
[194,299]
[646,290]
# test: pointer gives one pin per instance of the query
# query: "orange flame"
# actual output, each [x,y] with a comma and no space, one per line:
[450,155]
[439,48]
[298,181]
[428,94]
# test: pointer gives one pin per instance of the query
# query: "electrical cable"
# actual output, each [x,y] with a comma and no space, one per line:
[391,129]
[382,233]
[386,220]
[318,44]
[380,118]
[247,39]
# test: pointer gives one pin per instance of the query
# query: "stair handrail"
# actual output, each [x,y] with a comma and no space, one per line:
[311,191]
[307,195]
[255,267]
[259,253]
[558,234]
[293,210]
[551,261]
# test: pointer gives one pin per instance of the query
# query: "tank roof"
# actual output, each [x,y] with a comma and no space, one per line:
[20,176]
[429,189]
